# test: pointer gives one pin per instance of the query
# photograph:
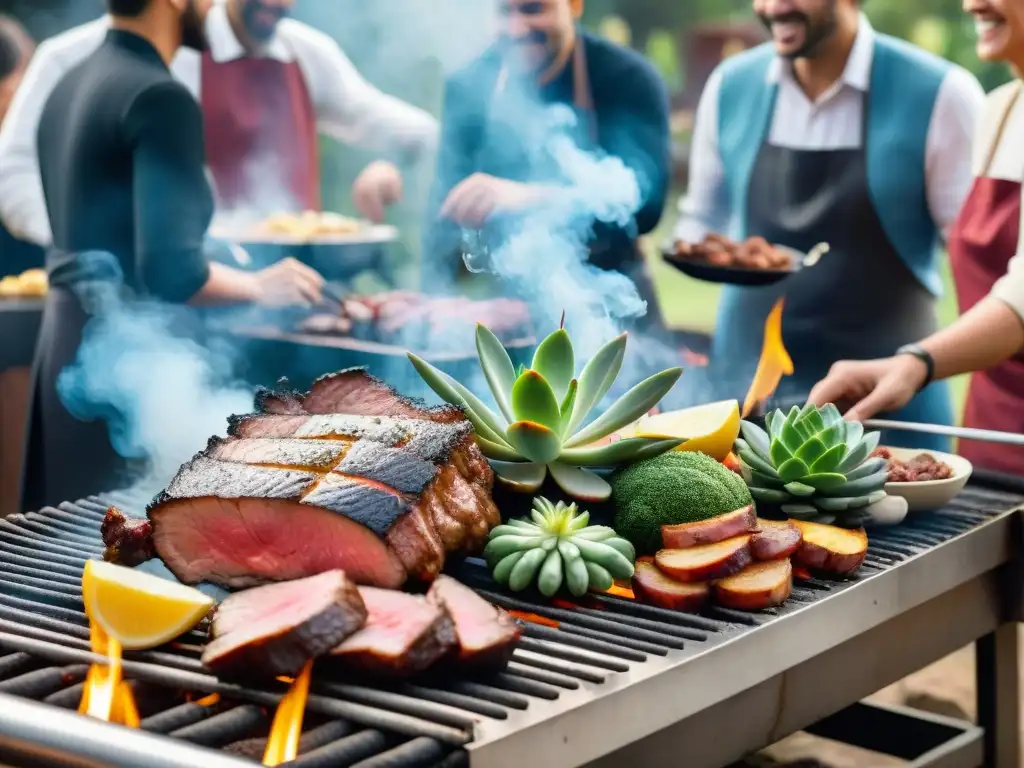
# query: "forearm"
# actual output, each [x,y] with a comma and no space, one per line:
[983,337]
[224,286]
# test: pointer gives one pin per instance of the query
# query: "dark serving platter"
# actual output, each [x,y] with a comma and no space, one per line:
[710,273]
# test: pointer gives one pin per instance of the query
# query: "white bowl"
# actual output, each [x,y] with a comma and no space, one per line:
[930,494]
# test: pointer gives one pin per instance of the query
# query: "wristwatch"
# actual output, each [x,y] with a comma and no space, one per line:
[925,357]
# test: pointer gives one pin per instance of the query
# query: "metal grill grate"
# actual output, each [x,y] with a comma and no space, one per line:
[44,651]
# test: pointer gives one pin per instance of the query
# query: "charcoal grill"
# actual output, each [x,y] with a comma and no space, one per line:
[607,684]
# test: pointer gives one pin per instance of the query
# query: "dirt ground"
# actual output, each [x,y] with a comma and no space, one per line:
[945,688]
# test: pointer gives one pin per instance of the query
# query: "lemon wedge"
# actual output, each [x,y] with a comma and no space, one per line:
[138,609]
[710,428]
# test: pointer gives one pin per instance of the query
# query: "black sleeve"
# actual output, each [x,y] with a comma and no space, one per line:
[442,238]
[164,126]
[635,128]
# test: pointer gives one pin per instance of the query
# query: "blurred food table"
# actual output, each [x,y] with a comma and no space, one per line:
[20,319]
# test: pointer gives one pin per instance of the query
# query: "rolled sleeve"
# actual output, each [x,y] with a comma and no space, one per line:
[349,108]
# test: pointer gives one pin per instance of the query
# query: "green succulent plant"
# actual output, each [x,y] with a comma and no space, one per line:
[813,463]
[558,548]
[542,410]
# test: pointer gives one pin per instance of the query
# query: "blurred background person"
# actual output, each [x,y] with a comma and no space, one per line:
[16,48]
[832,133]
[122,169]
[490,170]
[988,339]
[268,85]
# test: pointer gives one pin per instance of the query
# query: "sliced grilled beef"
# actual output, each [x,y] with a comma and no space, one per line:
[128,541]
[281,400]
[378,498]
[356,392]
[403,635]
[274,630]
[486,634]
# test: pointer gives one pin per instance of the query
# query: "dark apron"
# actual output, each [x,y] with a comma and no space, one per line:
[66,458]
[860,302]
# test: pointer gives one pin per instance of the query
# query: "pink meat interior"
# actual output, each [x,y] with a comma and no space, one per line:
[230,540]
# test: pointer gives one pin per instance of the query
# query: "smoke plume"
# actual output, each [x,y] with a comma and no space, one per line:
[162,393]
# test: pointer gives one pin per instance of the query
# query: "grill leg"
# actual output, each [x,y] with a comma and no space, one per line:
[997,673]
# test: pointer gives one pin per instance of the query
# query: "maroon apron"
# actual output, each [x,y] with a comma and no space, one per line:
[261,128]
[981,243]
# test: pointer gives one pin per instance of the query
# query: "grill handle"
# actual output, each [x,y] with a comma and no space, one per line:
[57,738]
[963,433]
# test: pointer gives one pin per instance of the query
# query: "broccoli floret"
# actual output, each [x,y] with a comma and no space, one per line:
[676,487]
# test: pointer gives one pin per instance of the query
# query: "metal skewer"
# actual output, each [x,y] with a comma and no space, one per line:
[963,433]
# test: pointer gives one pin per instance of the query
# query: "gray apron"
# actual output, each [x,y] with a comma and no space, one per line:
[859,302]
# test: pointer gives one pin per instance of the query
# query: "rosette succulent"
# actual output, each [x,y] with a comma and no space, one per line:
[813,463]
[558,548]
[542,409]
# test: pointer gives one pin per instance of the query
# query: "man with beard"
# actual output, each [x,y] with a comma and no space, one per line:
[833,133]
[499,158]
[122,170]
[267,85]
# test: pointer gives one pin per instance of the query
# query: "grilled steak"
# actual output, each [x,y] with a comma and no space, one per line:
[486,634]
[274,630]
[129,542]
[356,392]
[404,634]
[292,496]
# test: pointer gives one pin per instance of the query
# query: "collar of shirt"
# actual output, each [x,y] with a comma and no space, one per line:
[225,45]
[856,74]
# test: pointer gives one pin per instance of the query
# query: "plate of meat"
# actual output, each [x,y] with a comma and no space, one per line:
[927,480]
[755,261]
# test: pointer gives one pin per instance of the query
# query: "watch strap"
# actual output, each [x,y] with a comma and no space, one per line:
[925,357]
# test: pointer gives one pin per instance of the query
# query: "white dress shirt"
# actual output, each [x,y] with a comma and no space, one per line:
[348,107]
[835,121]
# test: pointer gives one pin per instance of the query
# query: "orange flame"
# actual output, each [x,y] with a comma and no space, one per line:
[283,743]
[775,361]
[622,591]
[105,695]
[533,618]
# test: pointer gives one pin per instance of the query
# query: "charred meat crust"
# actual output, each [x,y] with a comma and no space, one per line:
[424,504]
[428,440]
[274,630]
[346,392]
[127,541]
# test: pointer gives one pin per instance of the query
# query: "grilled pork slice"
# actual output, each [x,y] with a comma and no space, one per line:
[378,509]
[486,634]
[356,392]
[274,630]
[403,635]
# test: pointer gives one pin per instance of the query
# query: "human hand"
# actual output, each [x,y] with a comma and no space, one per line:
[475,199]
[377,187]
[287,283]
[871,386]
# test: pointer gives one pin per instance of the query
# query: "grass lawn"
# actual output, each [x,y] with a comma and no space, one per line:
[691,304]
